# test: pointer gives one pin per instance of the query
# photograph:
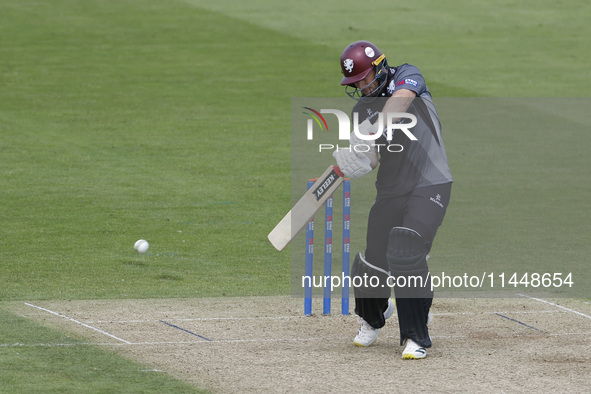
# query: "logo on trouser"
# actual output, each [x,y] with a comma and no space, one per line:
[437,200]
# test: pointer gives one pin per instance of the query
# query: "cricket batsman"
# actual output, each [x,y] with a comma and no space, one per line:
[399,133]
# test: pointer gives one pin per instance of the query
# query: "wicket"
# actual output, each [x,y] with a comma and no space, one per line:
[346,235]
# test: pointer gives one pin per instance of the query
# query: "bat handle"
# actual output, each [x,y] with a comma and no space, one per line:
[338,171]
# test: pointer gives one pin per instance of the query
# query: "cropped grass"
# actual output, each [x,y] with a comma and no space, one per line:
[118,127]
[37,359]
[169,120]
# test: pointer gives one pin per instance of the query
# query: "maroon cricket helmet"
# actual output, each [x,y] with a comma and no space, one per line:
[358,59]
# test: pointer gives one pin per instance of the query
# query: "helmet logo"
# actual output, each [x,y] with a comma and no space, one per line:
[348,64]
[369,52]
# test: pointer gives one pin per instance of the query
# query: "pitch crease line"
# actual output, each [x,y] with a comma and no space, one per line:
[202,319]
[517,321]
[187,331]
[79,322]
[223,341]
[206,319]
[556,305]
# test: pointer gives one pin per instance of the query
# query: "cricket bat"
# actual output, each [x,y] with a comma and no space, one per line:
[305,209]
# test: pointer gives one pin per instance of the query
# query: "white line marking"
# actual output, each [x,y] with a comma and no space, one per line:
[493,313]
[202,319]
[206,319]
[556,305]
[309,339]
[78,322]
[18,344]
[124,342]
[245,341]
[224,341]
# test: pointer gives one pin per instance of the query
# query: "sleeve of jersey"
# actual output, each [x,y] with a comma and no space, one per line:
[409,77]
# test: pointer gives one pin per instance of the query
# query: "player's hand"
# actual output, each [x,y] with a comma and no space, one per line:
[351,163]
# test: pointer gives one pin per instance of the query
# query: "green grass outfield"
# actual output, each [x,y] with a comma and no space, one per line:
[170,121]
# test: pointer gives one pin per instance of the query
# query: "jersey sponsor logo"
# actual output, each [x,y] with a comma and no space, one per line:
[348,64]
[408,81]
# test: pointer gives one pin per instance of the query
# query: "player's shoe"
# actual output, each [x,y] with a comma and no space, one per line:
[413,351]
[367,334]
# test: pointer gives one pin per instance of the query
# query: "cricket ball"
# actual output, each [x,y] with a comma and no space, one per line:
[141,246]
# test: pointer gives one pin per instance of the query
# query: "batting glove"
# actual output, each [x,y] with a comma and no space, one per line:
[352,164]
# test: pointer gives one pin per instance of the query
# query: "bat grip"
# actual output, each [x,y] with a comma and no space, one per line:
[338,171]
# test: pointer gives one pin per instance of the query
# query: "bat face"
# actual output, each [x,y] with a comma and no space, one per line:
[326,184]
[305,209]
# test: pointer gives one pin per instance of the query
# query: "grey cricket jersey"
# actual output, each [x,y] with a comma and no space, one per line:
[406,164]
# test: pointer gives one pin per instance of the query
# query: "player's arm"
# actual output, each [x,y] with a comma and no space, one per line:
[398,102]
[373,157]
[356,164]
[361,156]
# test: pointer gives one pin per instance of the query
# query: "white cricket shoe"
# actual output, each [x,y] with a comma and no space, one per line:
[413,351]
[367,334]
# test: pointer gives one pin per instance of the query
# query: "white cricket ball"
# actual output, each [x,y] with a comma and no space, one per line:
[141,246]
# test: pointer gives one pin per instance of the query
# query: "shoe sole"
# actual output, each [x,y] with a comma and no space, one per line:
[415,354]
[359,344]
[412,357]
